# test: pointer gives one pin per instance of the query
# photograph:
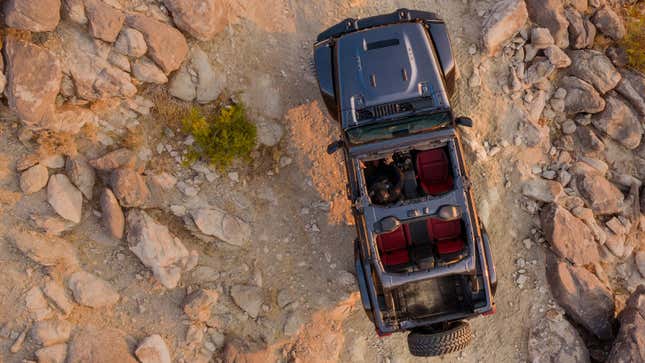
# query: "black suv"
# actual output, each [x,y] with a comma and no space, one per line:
[423,260]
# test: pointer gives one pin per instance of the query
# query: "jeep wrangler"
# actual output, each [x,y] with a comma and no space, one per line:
[423,260]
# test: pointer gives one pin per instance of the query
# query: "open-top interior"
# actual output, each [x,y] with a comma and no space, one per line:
[408,175]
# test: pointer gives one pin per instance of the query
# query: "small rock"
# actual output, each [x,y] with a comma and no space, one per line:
[595,68]
[581,96]
[51,332]
[609,23]
[616,226]
[65,198]
[37,304]
[215,222]
[153,349]
[619,121]
[166,45]
[146,71]
[105,21]
[131,43]
[54,354]
[248,298]
[158,249]
[120,158]
[543,190]
[113,218]
[550,14]
[57,295]
[81,174]
[34,179]
[45,250]
[198,305]
[101,346]
[569,127]
[92,291]
[55,161]
[557,57]
[603,197]
[17,344]
[130,188]
[203,21]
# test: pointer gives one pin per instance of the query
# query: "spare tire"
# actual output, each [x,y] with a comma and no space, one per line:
[428,343]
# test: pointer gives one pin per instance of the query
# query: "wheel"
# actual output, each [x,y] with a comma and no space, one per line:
[427,343]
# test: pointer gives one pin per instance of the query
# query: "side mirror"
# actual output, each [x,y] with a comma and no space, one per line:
[334,146]
[464,121]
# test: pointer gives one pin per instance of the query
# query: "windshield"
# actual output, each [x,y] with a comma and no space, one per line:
[388,130]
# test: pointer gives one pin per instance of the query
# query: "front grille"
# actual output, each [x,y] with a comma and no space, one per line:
[382,110]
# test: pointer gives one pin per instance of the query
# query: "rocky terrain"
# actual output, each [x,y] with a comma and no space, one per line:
[114,250]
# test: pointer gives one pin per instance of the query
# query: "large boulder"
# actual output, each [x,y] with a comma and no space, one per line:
[65,198]
[585,298]
[49,251]
[504,19]
[166,45]
[619,121]
[594,67]
[196,80]
[203,20]
[33,81]
[582,32]
[609,23]
[91,290]
[215,222]
[94,77]
[570,238]
[629,345]
[35,16]
[553,339]
[632,87]
[550,14]
[158,249]
[602,196]
[105,21]
[581,96]
[93,345]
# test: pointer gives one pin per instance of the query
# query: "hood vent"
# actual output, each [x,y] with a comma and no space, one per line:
[379,111]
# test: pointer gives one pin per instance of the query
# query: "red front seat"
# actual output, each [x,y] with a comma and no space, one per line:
[433,167]
[393,247]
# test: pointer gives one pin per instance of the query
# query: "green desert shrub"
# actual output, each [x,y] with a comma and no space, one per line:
[221,137]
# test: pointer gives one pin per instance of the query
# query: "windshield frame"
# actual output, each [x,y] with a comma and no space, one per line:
[402,123]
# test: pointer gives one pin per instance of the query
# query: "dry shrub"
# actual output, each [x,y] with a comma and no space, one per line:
[51,142]
[634,40]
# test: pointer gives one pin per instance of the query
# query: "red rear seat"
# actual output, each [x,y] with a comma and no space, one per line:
[393,247]
[433,167]
[447,234]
